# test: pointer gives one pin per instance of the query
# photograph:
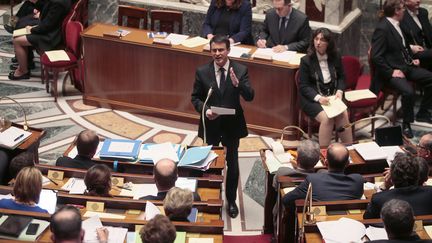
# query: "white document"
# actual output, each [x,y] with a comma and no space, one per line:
[296,58]
[186,183]
[280,154]
[428,229]
[7,196]
[354,95]
[151,211]
[20,32]
[222,110]
[89,214]
[57,55]
[264,52]
[285,56]
[163,151]
[286,190]
[342,231]
[141,190]
[176,39]
[48,200]
[272,163]
[45,180]
[391,151]
[237,51]
[201,240]
[121,147]
[335,107]
[12,137]
[374,233]
[195,41]
[370,151]
[75,186]
[115,234]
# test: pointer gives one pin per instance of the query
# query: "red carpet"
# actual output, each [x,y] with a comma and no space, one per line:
[248,239]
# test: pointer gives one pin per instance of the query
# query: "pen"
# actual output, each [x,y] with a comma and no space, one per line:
[122,187]
[19,137]
[55,183]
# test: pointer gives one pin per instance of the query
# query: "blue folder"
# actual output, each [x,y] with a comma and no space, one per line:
[194,155]
[107,152]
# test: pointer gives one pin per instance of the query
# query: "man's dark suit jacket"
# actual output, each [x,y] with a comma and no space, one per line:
[387,54]
[79,162]
[228,126]
[49,28]
[328,187]
[240,22]
[297,32]
[419,197]
[412,30]
[162,195]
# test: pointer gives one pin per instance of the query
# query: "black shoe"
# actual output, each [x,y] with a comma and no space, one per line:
[8,28]
[12,76]
[424,116]
[14,60]
[406,129]
[14,66]
[232,209]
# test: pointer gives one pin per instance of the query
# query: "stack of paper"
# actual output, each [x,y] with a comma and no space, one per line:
[120,149]
[151,152]
[355,95]
[198,158]
[115,234]
[176,39]
[342,231]
[237,51]
[370,151]
[12,137]
[140,190]
[75,186]
[48,200]
[374,233]
[57,56]
[335,107]
[272,163]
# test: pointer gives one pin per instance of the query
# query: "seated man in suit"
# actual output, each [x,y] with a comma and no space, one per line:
[333,185]
[178,204]
[395,65]
[398,218]
[285,28]
[165,174]
[424,147]
[86,143]
[404,174]
[415,24]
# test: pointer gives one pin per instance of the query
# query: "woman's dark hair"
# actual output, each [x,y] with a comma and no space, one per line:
[390,6]
[98,180]
[236,4]
[328,36]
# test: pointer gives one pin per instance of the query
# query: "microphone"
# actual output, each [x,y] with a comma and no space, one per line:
[348,125]
[210,91]
[296,128]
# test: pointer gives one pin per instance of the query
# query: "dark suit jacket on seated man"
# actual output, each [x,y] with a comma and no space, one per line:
[285,28]
[415,23]
[165,173]
[404,173]
[394,66]
[229,80]
[86,143]
[334,185]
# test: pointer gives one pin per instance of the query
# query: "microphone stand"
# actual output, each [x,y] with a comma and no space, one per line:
[210,91]
[342,128]
[296,128]
[307,215]
[3,123]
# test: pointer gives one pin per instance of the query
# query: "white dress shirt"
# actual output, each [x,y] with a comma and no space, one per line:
[395,24]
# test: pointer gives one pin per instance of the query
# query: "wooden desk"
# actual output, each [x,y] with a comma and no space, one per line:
[32,143]
[216,167]
[133,74]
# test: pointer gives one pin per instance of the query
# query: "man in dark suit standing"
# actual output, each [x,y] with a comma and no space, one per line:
[415,23]
[285,28]
[86,144]
[228,80]
[395,65]
[404,173]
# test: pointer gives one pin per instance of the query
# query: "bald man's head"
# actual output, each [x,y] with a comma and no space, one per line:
[66,225]
[87,143]
[425,147]
[165,174]
[337,157]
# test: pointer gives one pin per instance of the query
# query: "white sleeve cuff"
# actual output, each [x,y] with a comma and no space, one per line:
[317,97]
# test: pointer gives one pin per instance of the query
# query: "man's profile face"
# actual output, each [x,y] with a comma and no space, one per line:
[220,53]
[399,12]
[412,5]
[281,9]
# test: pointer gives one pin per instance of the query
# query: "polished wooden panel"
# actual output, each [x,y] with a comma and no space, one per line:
[133,74]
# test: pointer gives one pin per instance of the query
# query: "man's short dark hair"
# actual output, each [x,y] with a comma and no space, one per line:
[308,153]
[87,143]
[220,39]
[398,218]
[390,6]
[158,230]
[165,178]
[423,170]
[404,170]
[20,161]
[66,223]
[337,157]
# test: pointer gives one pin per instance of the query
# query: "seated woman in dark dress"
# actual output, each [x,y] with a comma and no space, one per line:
[27,189]
[232,18]
[178,204]
[98,181]
[321,76]
[46,36]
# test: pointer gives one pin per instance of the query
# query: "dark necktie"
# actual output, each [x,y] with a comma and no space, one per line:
[222,79]
[282,30]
